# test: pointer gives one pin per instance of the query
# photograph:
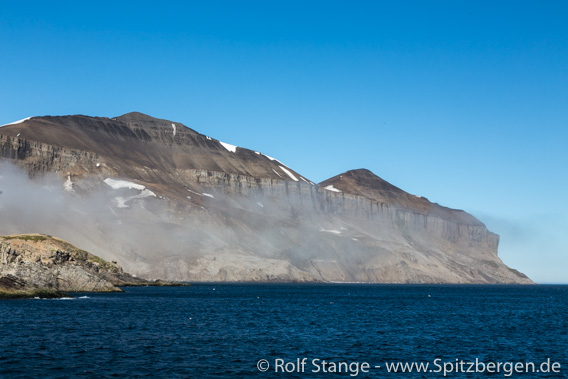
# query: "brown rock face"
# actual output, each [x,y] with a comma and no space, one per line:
[222,212]
[35,261]
[365,184]
[133,144]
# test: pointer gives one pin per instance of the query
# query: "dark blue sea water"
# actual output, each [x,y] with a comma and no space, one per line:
[223,330]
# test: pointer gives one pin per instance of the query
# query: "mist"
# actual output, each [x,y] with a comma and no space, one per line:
[142,233]
[90,220]
[536,245]
[253,236]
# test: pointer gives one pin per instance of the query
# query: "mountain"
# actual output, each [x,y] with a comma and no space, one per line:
[169,202]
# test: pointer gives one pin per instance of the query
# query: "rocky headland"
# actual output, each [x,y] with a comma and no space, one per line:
[44,266]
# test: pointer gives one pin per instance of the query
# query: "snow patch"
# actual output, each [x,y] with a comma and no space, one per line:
[276,173]
[98,165]
[121,201]
[68,185]
[209,138]
[307,181]
[174,126]
[208,195]
[16,122]
[332,188]
[329,231]
[289,174]
[273,159]
[196,193]
[228,146]
[118,184]
[282,164]
[260,204]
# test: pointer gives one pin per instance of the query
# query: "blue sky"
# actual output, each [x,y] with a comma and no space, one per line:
[465,103]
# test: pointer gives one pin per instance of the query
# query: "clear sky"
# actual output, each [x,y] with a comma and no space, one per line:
[463,102]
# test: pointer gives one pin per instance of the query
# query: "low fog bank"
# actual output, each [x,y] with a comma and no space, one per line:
[152,231]
[92,221]
[257,237]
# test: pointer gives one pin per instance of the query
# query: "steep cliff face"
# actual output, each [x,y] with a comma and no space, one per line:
[34,262]
[221,212]
[362,194]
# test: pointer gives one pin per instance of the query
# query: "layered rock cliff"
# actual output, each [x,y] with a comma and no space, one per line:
[34,262]
[184,206]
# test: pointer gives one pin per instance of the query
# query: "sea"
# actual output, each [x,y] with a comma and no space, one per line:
[290,331]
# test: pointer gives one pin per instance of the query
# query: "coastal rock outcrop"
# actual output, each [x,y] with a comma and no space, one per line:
[35,262]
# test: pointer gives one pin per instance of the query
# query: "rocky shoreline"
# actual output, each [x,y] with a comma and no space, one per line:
[38,265]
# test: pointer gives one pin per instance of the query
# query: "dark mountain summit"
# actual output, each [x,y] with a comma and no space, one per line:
[180,205]
[146,142]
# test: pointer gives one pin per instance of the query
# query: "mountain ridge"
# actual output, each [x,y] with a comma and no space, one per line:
[149,141]
[364,183]
[249,211]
